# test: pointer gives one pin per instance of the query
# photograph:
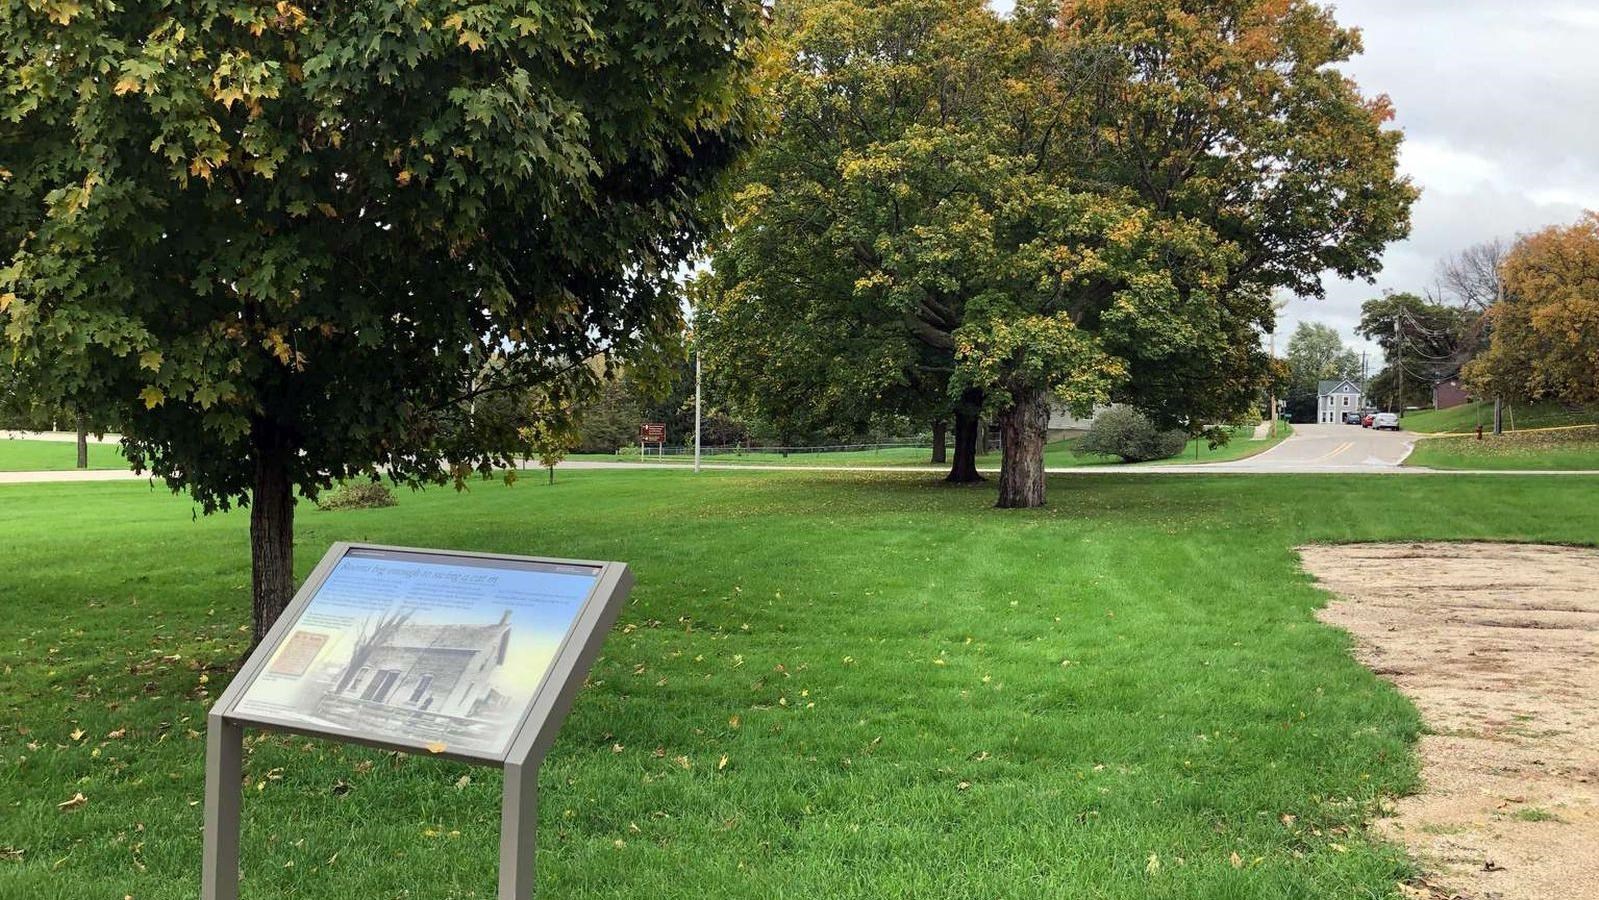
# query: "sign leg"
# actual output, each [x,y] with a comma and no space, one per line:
[519,817]
[224,770]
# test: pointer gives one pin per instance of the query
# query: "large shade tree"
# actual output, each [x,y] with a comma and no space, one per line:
[812,316]
[289,244]
[1085,201]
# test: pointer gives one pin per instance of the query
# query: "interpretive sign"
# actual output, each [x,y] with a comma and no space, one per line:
[652,433]
[467,655]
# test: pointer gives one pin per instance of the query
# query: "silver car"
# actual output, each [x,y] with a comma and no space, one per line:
[1389,421]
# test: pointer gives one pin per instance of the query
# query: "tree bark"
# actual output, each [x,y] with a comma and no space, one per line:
[1024,428]
[271,529]
[83,441]
[963,470]
[940,440]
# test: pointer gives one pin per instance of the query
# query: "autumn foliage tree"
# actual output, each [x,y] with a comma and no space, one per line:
[288,244]
[1545,343]
[1093,199]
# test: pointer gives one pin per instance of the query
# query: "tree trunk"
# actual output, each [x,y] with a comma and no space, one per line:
[1024,428]
[271,530]
[83,441]
[940,440]
[964,468]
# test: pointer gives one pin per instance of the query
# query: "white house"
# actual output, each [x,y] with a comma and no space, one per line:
[1063,423]
[1336,397]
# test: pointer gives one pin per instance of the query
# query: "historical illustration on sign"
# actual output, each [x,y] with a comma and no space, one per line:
[427,650]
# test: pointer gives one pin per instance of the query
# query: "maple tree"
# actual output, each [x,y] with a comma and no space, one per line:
[1545,329]
[963,214]
[290,244]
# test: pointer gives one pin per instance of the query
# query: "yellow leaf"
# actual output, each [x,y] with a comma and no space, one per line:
[77,734]
[1236,860]
[435,746]
[61,13]
[127,85]
[77,800]
[6,300]
[721,763]
[150,359]
[472,40]
[152,397]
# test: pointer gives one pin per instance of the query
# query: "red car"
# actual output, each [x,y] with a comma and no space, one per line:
[1365,421]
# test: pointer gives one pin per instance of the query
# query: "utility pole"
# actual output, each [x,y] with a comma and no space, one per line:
[1399,366]
[1499,405]
[1273,409]
[696,401]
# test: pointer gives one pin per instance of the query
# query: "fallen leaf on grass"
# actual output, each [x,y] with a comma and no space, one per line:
[1236,860]
[77,800]
[436,746]
[77,734]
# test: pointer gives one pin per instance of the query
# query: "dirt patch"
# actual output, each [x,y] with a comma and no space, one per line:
[1498,645]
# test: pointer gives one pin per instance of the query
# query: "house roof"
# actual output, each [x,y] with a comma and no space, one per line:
[448,637]
[1333,385]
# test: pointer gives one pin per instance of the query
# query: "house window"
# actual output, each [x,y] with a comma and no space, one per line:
[360,679]
[422,685]
[1346,399]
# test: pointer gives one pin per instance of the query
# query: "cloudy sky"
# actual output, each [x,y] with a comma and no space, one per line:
[1499,102]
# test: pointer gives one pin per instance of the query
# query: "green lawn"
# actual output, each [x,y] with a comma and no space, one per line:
[1123,695]
[19,455]
[1058,454]
[1576,448]
[1467,417]
[890,456]
[1240,445]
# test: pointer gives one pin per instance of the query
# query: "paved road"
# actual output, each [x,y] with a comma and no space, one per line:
[1329,448]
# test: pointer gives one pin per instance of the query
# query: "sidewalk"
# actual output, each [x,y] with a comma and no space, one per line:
[66,437]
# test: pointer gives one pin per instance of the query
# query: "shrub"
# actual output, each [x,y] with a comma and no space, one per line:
[1125,432]
[358,495]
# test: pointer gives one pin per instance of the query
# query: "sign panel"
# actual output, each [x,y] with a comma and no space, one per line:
[652,432]
[421,650]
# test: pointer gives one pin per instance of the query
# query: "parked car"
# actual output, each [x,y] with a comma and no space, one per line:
[1389,421]
[1365,421]
[1351,418]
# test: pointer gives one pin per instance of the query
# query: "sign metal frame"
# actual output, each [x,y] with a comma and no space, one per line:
[529,741]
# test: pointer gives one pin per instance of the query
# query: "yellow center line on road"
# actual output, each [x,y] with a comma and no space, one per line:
[1334,451]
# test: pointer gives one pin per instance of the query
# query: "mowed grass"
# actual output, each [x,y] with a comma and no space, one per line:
[839,686]
[1575,448]
[23,455]
[1468,416]
[1239,446]
[1057,454]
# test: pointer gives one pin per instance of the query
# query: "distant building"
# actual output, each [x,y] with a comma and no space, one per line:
[1449,393]
[1062,423]
[1336,397]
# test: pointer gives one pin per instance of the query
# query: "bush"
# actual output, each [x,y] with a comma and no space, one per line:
[1125,432]
[358,495]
